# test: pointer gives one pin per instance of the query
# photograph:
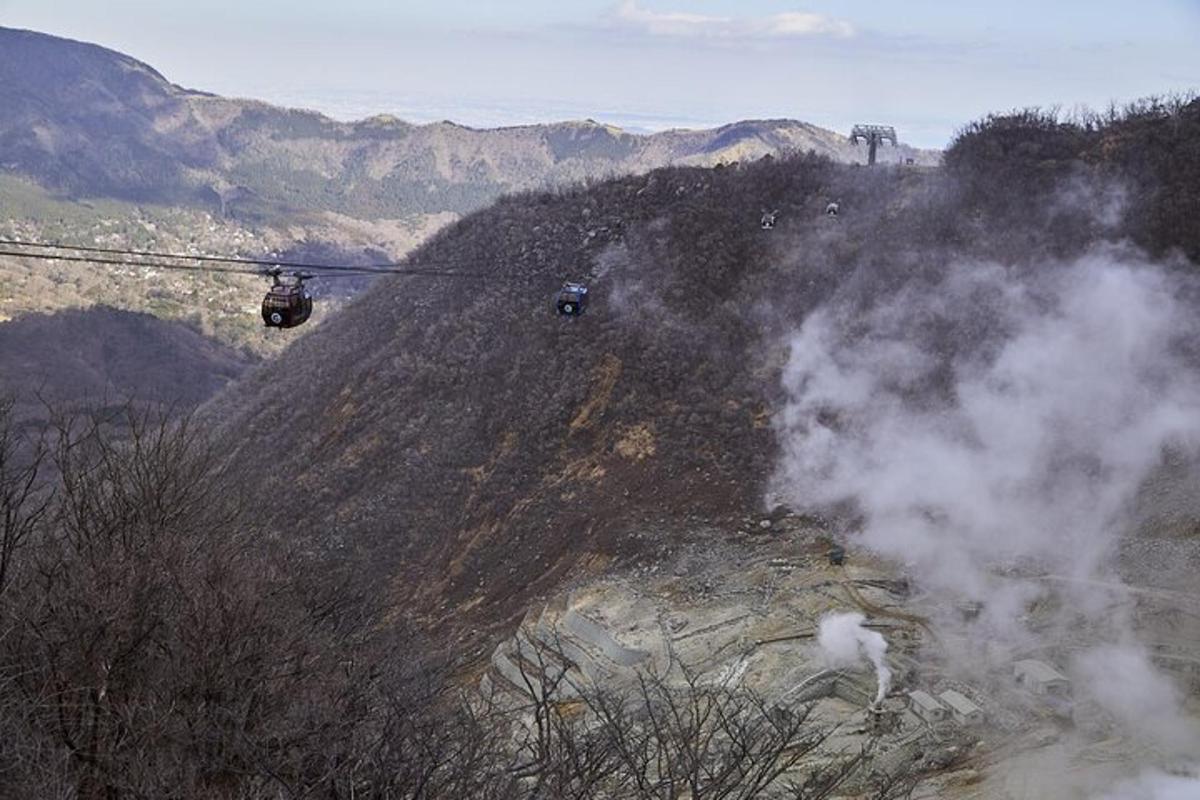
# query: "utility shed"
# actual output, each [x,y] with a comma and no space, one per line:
[964,711]
[1041,678]
[926,706]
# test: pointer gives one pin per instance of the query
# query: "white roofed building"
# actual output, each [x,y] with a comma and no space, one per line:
[962,708]
[1041,678]
[926,706]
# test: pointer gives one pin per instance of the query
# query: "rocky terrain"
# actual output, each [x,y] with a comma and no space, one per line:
[743,608]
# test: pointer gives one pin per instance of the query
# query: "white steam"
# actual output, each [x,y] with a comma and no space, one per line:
[992,417]
[846,642]
[1155,786]
[1123,680]
[1051,419]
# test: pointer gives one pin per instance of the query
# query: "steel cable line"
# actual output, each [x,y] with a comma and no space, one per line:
[287,303]
[219,259]
[127,263]
[325,271]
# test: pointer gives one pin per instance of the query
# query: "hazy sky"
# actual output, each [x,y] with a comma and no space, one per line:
[925,66]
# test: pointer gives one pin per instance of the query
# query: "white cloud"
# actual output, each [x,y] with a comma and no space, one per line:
[670,23]
[680,23]
[800,23]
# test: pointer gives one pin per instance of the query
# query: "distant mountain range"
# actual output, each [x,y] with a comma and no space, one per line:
[91,122]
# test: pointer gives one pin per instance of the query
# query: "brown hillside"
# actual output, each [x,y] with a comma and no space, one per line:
[462,443]
[473,448]
[103,355]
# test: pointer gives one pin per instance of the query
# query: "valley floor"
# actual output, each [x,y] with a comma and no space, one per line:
[744,609]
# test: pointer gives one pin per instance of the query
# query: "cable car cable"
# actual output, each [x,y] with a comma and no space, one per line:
[126,263]
[336,271]
[219,259]
[287,303]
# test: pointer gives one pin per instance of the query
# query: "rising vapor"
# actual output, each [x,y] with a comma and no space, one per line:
[846,642]
[1002,419]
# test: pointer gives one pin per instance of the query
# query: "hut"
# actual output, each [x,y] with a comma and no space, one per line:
[926,706]
[1041,678]
[962,709]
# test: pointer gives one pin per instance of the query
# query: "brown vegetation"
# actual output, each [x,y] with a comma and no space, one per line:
[156,644]
[1145,155]
[691,304]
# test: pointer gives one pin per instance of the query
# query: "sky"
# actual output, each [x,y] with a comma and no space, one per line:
[925,66]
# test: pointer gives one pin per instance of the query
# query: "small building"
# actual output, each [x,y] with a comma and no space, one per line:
[1041,678]
[970,610]
[962,709]
[926,706]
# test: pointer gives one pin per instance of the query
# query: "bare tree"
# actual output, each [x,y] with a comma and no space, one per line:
[702,740]
[162,645]
[557,753]
[685,738]
[154,643]
[24,496]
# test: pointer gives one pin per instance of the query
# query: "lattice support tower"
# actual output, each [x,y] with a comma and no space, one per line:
[873,135]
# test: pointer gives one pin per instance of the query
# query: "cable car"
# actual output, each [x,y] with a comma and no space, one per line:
[572,299]
[288,302]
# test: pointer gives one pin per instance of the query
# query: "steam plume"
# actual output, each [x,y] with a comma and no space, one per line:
[846,641]
[992,416]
